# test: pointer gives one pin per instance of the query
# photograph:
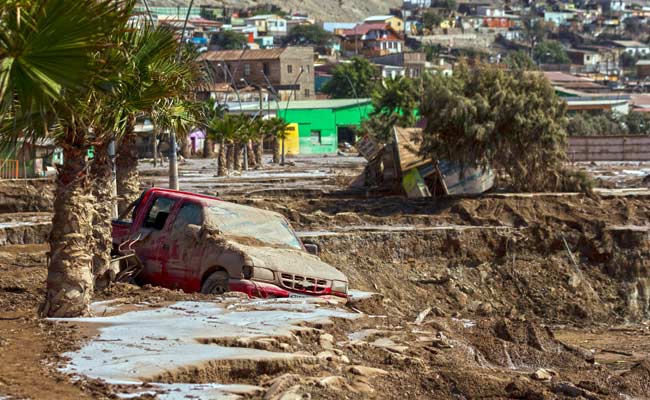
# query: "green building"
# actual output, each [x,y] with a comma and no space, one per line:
[322,124]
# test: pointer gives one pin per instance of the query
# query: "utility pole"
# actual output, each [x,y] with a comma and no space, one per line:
[173,161]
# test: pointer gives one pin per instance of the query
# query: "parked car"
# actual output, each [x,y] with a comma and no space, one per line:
[200,243]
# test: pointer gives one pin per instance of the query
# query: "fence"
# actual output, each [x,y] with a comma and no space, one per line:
[9,169]
[609,148]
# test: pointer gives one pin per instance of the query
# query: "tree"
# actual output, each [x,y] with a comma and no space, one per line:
[208,111]
[308,34]
[634,26]
[276,128]
[586,124]
[394,104]
[637,123]
[535,29]
[351,80]
[431,19]
[229,40]
[432,50]
[550,52]
[519,60]
[54,67]
[154,73]
[489,118]
[223,130]
[446,4]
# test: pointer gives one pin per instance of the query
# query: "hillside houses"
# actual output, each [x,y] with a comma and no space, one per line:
[372,39]
[602,41]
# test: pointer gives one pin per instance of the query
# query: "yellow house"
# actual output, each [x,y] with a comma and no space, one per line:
[394,22]
[448,23]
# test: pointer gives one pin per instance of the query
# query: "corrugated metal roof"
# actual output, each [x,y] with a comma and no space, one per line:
[235,55]
[304,104]
[407,149]
[329,103]
[629,43]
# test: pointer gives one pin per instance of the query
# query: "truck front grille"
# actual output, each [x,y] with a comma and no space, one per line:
[304,283]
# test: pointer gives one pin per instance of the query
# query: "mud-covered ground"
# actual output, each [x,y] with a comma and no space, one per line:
[504,296]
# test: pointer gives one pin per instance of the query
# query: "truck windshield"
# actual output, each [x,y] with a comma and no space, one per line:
[237,220]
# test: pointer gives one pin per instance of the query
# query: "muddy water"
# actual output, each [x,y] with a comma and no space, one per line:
[142,345]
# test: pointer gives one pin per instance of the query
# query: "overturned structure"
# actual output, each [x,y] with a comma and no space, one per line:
[399,168]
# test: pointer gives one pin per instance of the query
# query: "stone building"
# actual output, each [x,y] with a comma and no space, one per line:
[287,73]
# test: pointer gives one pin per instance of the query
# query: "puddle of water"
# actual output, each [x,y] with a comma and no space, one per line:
[138,345]
[15,224]
[184,391]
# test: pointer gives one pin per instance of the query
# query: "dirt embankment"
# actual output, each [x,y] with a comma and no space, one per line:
[563,260]
[32,195]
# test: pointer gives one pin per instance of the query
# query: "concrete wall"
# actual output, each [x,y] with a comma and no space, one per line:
[609,148]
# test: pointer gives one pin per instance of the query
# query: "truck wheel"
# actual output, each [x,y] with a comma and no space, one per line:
[217,283]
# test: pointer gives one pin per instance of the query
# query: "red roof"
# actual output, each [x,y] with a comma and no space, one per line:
[362,29]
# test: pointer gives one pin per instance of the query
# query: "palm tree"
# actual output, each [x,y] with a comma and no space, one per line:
[223,130]
[276,127]
[115,119]
[53,67]
[208,111]
[154,74]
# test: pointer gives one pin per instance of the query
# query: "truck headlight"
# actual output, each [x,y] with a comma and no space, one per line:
[340,287]
[263,274]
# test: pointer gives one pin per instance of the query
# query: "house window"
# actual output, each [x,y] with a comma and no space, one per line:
[315,137]
[289,69]
[247,69]
[306,92]
[265,68]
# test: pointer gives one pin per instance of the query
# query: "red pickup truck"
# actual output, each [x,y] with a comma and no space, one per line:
[200,243]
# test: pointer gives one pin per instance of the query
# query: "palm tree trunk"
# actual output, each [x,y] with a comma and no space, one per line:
[222,168]
[69,274]
[276,150]
[102,188]
[184,143]
[259,152]
[238,149]
[208,151]
[128,180]
[251,154]
[230,157]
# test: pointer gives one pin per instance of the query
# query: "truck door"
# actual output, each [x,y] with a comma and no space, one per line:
[151,245]
[185,249]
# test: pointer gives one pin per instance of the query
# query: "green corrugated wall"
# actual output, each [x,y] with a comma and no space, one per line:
[325,120]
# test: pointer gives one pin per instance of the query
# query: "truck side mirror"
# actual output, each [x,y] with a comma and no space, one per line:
[312,248]
[193,231]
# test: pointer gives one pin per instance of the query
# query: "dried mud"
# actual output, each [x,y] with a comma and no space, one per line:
[478,298]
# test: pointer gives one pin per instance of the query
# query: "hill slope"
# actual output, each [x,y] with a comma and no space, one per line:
[322,10]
